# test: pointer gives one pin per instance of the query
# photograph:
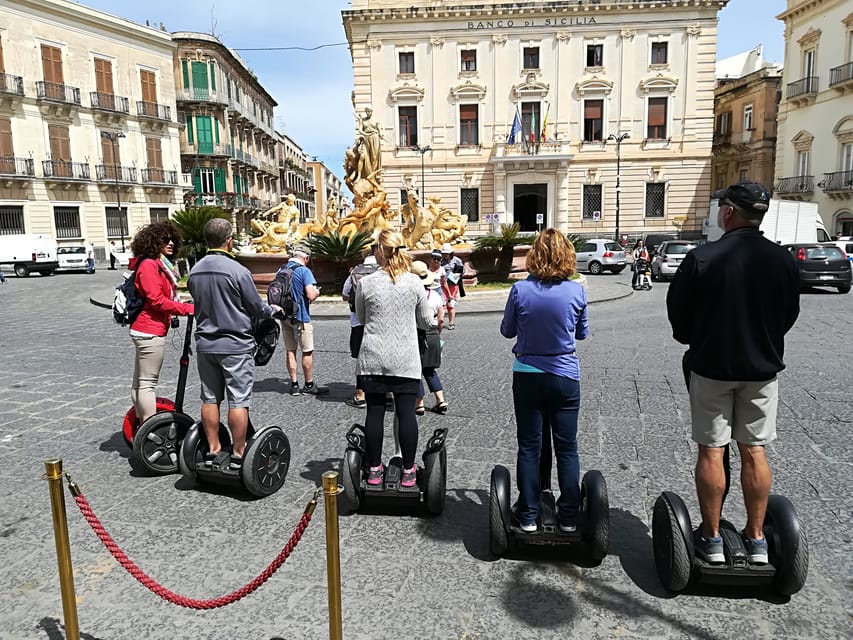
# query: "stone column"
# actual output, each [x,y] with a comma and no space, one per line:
[500,195]
[561,215]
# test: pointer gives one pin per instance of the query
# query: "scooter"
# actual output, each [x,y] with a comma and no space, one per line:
[156,441]
[592,535]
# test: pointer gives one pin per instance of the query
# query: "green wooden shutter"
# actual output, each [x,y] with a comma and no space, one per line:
[219,180]
[216,130]
[199,80]
[186,74]
[212,76]
[197,180]
[204,133]
[190,136]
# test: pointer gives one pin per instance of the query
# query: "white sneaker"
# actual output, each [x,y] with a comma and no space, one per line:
[529,528]
[568,528]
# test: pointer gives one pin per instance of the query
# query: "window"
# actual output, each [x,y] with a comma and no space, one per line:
[404,197]
[747,118]
[655,199]
[204,181]
[67,221]
[595,55]
[469,124]
[408,117]
[469,204]
[407,62]
[530,121]
[111,157]
[116,222]
[148,81]
[803,163]
[660,51]
[724,122]
[847,157]
[591,200]
[657,119]
[593,121]
[158,214]
[531,57]
[743,175]
[60,149]
[103,76]
[11,220]
[7,149]
[468,59]
[808,63]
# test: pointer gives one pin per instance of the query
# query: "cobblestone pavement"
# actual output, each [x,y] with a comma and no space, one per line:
[64,374]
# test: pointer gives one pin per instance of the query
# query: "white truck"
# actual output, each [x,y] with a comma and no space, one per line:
[28,252]
[786,222]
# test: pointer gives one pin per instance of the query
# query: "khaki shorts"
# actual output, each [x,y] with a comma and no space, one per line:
[301,333]
[226,375]
[722,410]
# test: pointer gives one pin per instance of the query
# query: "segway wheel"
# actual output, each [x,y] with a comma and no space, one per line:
[194,446]
[672,558]
[351,478]
[157,443]
[436,481]
[596,515]
[788,546]
[131,423]
[499,489]
[265,462]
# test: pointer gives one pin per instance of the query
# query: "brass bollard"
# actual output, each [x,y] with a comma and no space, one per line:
[53,469]
[333,556]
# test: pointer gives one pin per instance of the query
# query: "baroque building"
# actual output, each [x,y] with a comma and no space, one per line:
[814,153]
[329,189]
[296,175]
[533,112]
[89,140]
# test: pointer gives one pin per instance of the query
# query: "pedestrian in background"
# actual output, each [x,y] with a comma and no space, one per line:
[430,342]
[453,287]
[113,252]
[638,253]
[90,256]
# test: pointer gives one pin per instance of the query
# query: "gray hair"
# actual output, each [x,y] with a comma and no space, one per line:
[751,216]
[216,232]
[301,251]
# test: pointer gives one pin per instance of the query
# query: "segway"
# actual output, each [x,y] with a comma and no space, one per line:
[262,471]
[156,441]
[429,489]
[592,535]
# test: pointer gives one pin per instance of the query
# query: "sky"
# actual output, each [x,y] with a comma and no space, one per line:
[324,125]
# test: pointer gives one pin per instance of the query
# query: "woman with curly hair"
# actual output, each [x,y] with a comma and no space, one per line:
[391,304]
[546,314]
[154,246]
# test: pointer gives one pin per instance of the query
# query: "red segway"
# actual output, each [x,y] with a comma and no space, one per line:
[156,441]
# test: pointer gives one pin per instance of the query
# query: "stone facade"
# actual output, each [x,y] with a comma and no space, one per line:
[453,76]
[296,176]
[814,153]
[86,119]
[329,188]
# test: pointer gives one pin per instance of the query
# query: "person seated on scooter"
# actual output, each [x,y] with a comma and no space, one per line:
[642,270]
[226,300]
[638,253]
[391,304]
[156,279]
[732,302]
[547,314]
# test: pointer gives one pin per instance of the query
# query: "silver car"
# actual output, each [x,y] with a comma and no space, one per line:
[600,255]
[668,256]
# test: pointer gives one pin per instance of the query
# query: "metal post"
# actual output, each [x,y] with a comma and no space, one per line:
[53,472]
[333,558]
[113,138]
[423,151]
[618,139]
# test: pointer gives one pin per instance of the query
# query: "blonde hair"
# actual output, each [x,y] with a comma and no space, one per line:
[552,256]
[397,259]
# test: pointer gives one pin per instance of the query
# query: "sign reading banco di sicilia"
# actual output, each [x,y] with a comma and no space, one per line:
[532,22]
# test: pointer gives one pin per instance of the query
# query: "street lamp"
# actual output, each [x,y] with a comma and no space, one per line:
[423,151]
[618,139]
[113,138]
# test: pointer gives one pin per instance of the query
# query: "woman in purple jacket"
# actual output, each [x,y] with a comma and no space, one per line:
[547,314]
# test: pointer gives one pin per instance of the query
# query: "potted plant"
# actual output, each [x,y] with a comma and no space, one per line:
[191,224]
[342,251]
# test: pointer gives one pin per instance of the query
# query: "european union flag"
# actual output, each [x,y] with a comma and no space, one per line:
[516,129]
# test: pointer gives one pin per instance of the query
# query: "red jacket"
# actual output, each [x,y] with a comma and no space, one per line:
[155,285]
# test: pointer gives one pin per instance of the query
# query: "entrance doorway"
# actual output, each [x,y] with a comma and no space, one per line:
[528,200]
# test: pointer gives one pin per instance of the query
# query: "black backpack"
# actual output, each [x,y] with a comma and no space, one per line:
[280,291]
[127,302]
[357,273]
[265,331]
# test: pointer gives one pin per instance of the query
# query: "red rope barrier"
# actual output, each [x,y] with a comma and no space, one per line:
[171,596]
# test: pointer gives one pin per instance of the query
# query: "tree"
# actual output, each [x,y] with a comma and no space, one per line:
[191,223]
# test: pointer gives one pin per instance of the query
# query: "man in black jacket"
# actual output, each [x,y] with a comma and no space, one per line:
[732,302]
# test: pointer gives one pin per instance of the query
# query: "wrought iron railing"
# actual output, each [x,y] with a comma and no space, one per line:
[837,181]
[159,176]
[22,167]
[794,184]
[115,173]
[153,110]
[109,102]
[803,87]
[11,84]
[844,73]
[65,169]
[57,92]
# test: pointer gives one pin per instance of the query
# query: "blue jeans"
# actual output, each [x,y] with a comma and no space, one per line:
[539,397]
[90,265]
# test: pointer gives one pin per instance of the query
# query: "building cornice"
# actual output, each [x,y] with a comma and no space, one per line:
[805,7]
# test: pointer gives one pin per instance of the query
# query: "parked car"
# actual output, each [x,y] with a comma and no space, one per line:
[654,239]
[822,265]
[668,256]
[600,255]
[71,256]
[845,243]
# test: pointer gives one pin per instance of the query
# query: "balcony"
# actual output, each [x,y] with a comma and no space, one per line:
[13,85]
[154,111]
[838,184]
[63,171]
[802,91]
[154,176]
[842,77]
[206,199]
[795,187]
[111,172]
[57,92]
[197,94]
[16,168]
[109,102]
[722,139]
[205,149]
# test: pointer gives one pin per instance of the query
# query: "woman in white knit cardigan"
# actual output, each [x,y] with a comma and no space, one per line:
[391,304]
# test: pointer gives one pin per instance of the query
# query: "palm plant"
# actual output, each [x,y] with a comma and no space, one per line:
[342,250]
[191,224]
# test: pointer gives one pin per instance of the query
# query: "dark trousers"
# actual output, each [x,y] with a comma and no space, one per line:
[404,408]
[430,374]
[112,261]
[537,397]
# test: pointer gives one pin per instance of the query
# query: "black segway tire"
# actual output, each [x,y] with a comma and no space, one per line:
[672,557]
[499,492]
[435,469]
[157,443]
[266,460]
[788,545]
[595,515]
[194,446]
[351,479]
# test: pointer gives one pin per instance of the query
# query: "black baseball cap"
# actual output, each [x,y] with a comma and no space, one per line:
[747,195]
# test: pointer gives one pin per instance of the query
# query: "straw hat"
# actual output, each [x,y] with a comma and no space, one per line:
[446,248]
[420,269]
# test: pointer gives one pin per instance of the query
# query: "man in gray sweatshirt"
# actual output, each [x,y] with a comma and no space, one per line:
[225,300]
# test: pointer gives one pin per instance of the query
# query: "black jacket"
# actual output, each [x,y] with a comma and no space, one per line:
[732,301]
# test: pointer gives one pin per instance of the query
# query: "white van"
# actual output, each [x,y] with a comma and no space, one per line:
[786,222]
[28,252]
